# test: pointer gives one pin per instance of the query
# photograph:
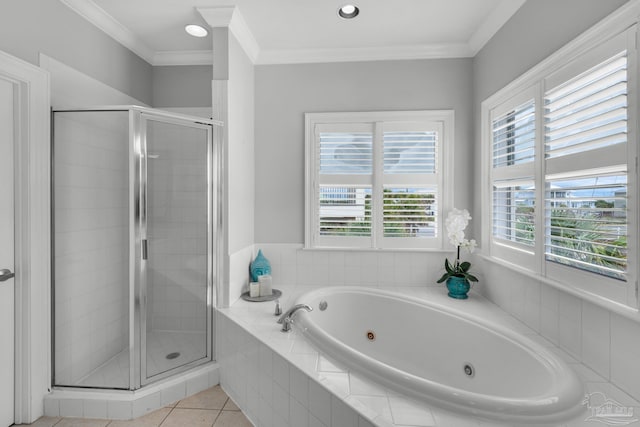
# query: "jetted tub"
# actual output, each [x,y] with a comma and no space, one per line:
[437,353]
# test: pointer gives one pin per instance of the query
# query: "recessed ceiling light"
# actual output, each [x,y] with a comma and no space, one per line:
[348,11]
[196,30]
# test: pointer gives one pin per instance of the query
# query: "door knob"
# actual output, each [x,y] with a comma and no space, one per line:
[5,274]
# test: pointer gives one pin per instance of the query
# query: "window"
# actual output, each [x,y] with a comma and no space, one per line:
[561,169]
[376,180]
[585,138]
[513,128]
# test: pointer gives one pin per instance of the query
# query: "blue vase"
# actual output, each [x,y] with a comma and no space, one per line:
[458,287]
[259,267]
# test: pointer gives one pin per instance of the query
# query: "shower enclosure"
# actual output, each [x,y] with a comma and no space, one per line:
[134,245]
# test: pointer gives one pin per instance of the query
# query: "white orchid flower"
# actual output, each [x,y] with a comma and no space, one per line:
[455,223]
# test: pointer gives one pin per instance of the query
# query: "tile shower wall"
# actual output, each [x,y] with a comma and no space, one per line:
[177,229]
[601,339]
[91,242]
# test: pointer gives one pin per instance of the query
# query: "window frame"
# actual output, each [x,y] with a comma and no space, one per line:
[444,122]
[598,44]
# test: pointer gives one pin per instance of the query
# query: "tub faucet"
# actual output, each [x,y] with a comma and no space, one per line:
[287,317]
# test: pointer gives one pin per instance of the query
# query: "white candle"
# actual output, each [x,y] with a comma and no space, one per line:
[254,289]
[265,285]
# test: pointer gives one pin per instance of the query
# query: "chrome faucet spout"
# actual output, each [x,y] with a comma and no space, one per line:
[287,317]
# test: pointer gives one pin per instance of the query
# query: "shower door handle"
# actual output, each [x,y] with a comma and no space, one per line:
[6,274]
[144,249]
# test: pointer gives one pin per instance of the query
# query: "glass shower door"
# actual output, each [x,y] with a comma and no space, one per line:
[90,264]
[176,223]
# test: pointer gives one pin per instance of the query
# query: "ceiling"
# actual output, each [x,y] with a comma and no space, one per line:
[296,31]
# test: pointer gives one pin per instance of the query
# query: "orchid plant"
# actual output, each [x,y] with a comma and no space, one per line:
[457,220]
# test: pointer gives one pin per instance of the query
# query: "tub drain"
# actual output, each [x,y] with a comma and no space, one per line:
[468,370]
[371,336]
[173,355]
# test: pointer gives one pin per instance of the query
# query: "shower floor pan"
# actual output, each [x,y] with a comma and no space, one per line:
[166,350]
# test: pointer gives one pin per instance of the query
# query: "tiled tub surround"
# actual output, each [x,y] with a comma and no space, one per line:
[293,266]
[597,335]
[281,380]
[605,340]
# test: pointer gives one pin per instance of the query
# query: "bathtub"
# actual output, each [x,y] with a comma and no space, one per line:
[436,353]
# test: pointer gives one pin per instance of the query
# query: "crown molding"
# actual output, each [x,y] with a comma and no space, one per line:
[217,17]
[492,24]
[305,56]
[101,19]
[245,37]
[183,57]
[230,17]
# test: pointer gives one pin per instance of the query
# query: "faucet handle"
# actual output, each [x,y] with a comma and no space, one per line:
[286,325]
[278,310]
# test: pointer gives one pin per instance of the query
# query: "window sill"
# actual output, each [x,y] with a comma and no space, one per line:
[608,304]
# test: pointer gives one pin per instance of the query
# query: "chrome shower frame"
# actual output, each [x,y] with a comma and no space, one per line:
[138,156]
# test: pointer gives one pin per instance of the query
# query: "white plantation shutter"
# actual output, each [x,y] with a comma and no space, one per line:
[585,134]
[513,209]
[346,153]
[589,111]
[560,146]
[514,136]
[410,151]
[410,180]
[409,212]
[375,183]
[344,211]
[344,178]
[587,225]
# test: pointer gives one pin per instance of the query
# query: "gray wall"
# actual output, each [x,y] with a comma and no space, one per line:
[57,31]
[182,86]
[285,92]
[538,28]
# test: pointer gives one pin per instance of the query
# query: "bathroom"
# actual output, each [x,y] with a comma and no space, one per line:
[264,197]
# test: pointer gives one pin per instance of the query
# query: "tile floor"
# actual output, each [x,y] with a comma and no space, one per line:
[210,408]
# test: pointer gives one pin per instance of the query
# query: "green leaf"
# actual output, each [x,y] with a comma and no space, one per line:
[471,277]
[465,266]
[447,266]
[444,277]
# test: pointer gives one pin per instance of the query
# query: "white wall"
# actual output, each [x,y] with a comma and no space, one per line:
[233,104]
[285,92]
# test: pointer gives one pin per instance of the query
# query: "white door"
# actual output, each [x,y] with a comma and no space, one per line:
[7,138]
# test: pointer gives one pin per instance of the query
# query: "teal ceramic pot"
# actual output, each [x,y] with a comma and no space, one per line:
[259,267]
[458,287]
